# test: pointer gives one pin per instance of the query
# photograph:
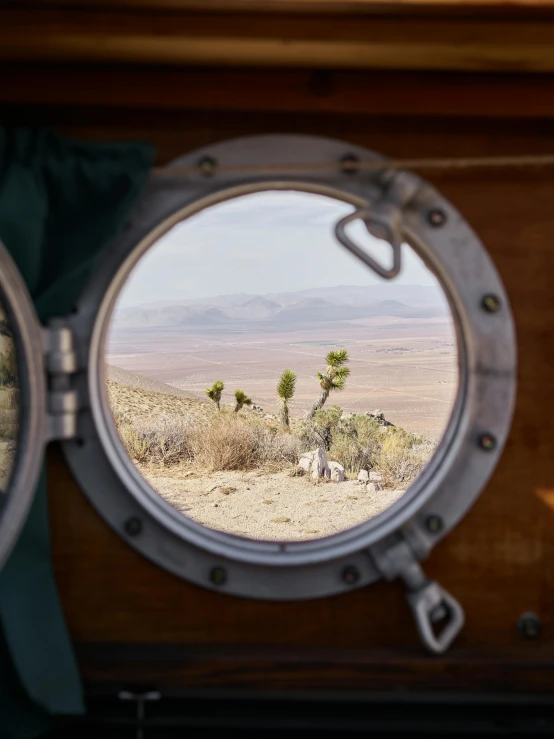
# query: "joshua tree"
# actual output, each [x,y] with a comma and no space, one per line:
[285,391]
[214,392]
[242,399]
[334,377]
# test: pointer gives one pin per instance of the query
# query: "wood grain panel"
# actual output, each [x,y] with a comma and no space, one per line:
[341,92]
[307,6]
[338,41]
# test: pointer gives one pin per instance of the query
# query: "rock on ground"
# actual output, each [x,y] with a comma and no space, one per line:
[320,465]
[373,487]
[336,472]
[305,461]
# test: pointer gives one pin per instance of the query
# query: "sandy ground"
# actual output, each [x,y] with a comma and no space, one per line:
[262,505]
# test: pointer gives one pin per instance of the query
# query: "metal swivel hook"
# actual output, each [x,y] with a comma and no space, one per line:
[381,221]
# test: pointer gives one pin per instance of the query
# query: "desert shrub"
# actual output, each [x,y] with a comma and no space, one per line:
[228,443]
[318,431]
[349,453]
[8,368]
[235,444]
[402,457]
[164,440]
[5,328]
[275,449]
[361,442]
[9,424]
[9,398]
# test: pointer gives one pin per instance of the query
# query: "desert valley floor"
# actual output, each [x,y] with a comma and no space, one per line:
[402,366]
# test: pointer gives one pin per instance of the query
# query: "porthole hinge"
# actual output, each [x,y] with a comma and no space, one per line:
[61,366]
[439,617]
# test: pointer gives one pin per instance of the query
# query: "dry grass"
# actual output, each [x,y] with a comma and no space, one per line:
[8,368]
[9,413]
[9,398]
[229,442]
[9,424]
[237,444]
[159,429]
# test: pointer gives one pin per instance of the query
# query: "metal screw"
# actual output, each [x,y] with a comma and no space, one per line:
[218,575]
[487,442]
[133,526]
[434,523]
[351,575]
[491,303]
[207,166]
[529,625]
[349,163]
[436,217]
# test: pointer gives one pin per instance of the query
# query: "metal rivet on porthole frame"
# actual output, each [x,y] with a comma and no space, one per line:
[218,575]
[349,163]
[351,575]
[436,217]
[207,166]
[133,526]
[491,303]
[434,523]
[487,442]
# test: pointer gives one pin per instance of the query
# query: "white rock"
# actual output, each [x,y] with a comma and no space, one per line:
[373,487]
[336,471]
[363,476]
[383,429]
[320,464]
[375,477]
[305,461]
[346,416]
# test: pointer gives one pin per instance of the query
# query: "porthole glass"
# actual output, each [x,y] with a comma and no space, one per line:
[266,382]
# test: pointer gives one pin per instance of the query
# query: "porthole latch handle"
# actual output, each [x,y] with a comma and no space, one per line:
[383,220]
[431,605]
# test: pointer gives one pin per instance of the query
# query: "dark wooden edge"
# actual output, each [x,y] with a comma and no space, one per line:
[265,90]
[224,667]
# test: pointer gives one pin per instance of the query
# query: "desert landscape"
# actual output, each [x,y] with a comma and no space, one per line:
[9,402]
[229,458]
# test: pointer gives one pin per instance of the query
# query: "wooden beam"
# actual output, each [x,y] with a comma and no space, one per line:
[340,92]
[315,7]
[367,42]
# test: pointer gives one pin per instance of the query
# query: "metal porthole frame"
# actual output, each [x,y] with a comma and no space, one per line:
[31,439]
[388,545]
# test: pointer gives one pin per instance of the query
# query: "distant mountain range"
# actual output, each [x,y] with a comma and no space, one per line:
[318,305]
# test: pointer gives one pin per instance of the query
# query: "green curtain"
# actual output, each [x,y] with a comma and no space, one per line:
[61,202]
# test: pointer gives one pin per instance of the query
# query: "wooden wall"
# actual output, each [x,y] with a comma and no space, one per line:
[499,562]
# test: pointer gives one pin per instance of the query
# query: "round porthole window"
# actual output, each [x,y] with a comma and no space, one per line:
[298,366]
[22,403]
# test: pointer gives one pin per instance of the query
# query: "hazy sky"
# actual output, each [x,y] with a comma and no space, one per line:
[262,243]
